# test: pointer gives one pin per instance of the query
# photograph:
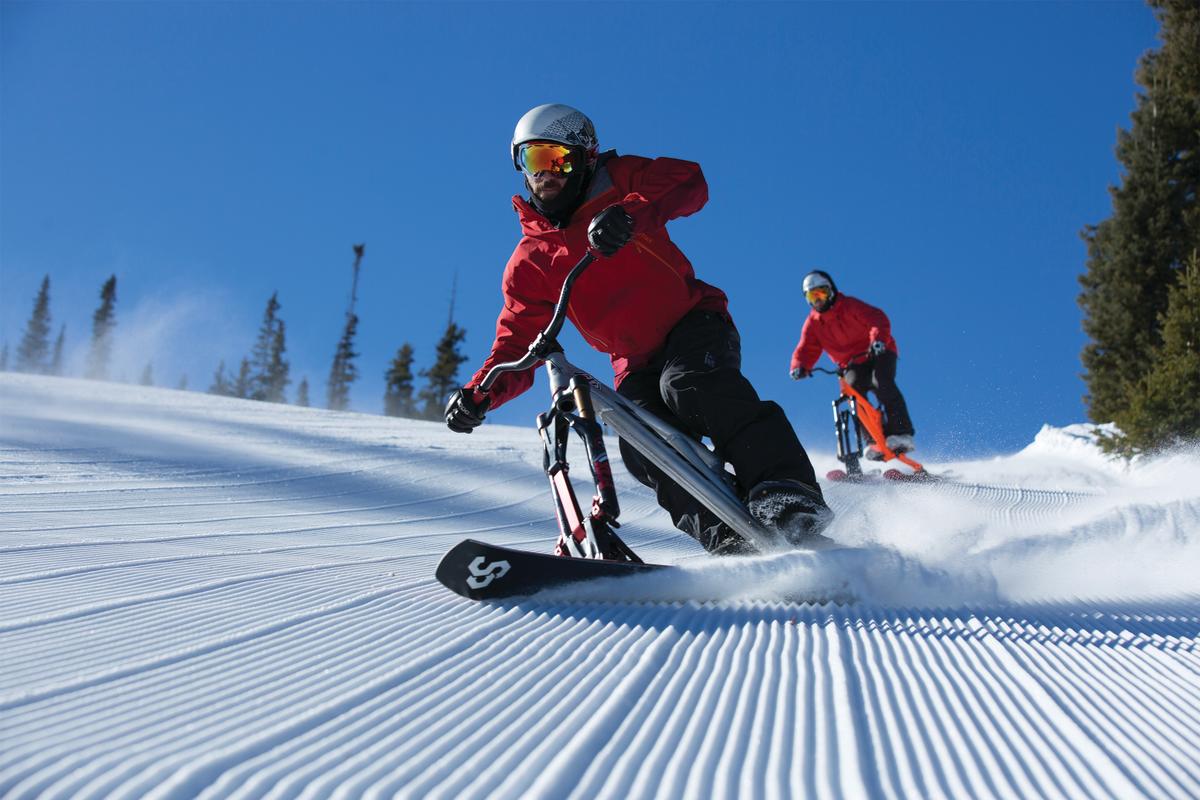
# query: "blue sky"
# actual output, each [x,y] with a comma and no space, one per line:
[939,159]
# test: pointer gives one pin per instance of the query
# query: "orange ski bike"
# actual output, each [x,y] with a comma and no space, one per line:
[858,421]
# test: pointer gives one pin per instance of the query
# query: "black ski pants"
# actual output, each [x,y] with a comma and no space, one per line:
[879,376]
[696,384]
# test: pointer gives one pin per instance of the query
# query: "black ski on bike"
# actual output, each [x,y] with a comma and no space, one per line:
[480,571]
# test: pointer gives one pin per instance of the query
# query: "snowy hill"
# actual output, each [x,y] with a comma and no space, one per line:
[205,597]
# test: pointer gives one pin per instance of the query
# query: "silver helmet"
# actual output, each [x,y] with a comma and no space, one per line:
[818,278]
[555,122]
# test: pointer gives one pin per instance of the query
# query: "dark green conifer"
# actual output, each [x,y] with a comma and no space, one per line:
[242,385]
[268,370]
[342,372]
[442,377]
[33,352]
[104,320]
[1136,256]
[56,362]
[1165,406]
[398,396]
[220,383]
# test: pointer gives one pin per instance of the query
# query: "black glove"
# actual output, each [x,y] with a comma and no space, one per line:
[800,372]
[610,230]
[463,415]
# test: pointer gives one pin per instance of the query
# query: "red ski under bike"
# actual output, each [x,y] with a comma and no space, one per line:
[857,421]
[588,543]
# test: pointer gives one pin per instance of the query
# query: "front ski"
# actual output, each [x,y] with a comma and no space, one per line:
[480,571]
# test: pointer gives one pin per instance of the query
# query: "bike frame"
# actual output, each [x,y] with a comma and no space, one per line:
[580,402]
[852,405]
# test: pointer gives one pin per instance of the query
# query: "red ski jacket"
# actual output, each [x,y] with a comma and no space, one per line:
[623,305]
[843,331]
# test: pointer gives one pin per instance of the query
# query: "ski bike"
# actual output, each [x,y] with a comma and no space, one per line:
[588,544]
[856,420]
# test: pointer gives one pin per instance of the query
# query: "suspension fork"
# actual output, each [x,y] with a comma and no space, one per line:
[591,535]
[850,446]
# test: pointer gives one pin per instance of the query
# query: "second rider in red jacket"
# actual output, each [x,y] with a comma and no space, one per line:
[673,345]
[858,337]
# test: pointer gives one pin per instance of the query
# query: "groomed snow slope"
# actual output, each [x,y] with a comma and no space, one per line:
[204,597]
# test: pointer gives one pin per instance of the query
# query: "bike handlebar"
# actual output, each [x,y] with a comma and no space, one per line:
[854,362]
[542,343]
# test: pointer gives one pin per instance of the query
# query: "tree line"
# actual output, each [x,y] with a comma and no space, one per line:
[264,373]
[1141,290]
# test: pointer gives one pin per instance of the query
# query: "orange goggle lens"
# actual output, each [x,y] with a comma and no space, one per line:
[817,294]
[545,157]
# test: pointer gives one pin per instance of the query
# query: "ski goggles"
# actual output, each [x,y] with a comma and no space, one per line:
[817,294]
[535,157]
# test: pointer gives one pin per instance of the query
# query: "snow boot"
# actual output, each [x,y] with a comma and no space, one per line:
[901,443]
[796,511]
[729,542]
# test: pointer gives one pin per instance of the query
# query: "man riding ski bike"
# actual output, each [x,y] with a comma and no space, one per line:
[858,338]
[673,345]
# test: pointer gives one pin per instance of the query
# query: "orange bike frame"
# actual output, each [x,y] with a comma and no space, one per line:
[870,418]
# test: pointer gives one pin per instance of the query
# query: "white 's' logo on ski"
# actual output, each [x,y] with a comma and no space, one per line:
[483,573]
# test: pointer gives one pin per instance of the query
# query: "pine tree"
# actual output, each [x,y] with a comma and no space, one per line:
[443,375]
[56,363]
[398,396]
[220,385]
[277,367]
[1165,408]
[302,393]
[103,322]
[4,358]
[1135,256]
[242,384]
[268,371]
[35,345]
[148,374]
[342,372]
[183,383]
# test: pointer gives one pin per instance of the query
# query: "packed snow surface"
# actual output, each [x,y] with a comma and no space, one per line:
[206,597]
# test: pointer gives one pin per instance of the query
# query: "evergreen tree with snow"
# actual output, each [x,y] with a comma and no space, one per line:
[34,349]
[398,396]
[148,374]
[183,383]
[1136,256]
[104,320]
[4,358]
[302,393]
[56,362]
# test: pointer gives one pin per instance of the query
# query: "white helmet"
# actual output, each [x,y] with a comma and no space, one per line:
[818,278]
[555,122]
